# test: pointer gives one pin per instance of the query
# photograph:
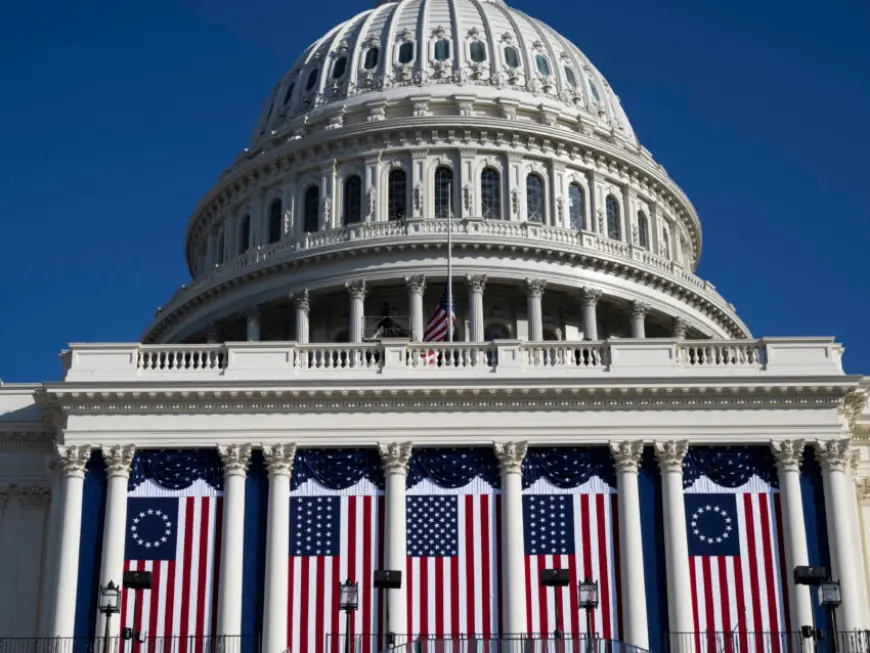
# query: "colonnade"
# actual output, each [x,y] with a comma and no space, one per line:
[833,455]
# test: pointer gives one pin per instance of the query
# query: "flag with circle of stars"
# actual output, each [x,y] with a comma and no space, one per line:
[712,525]
[152,530]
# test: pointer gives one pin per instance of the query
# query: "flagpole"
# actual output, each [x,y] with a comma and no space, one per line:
[450,263]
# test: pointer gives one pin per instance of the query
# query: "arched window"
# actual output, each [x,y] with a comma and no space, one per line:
[666,243]
[443,192]
[543,65]
[275,221]
[511,57]
[442,50]
[490,194]
[594,90]
[642,230]
[220,249]
[311,219]
[397,195]
[312,80]
[612,208]
[576,208]
[477,51]
[371,60]
[534,198]
[570,77]
[406,52]
[289,92]
[352,200]
[245,234]
[339,68]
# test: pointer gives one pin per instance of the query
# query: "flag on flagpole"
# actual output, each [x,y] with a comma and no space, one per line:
[442,321]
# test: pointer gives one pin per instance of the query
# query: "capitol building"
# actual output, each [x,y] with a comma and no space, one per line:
[442,380]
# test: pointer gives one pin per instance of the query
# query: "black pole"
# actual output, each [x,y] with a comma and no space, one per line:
[347,632]
[835,644]
[558,615]
[590,625]
[106,631]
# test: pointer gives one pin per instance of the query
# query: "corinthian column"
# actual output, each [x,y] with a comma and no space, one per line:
[279,461]
[416,288]
[357,290]
[510,463]
[303,305]
[476,285]
[626,456]
[535,294]
[236,458]
[396,456]
[73,459]
[638,319]
[590,316]
[118,460]
[670,456]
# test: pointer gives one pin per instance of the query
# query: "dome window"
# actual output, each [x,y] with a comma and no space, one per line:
[478,52]
[594,90]
[339,68]
[245,235]
[443,192]
[311,204]
[397,195]
[642,230]
[275,221]
[511,57]
[289,93]
[666,243]
[612,209]
[442,50]
[353,200]
[490,194]
[312,79]
[406,52]
[371,60]
[569,75]
[543,65]
[534,198]
[220,249]
[576,210]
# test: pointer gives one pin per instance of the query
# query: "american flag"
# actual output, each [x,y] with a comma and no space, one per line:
[736,566]
[439,325]
[576,532]
[453,565]
[333,539]
[177,539]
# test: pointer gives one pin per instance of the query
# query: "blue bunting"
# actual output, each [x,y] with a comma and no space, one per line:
[453,468]
[568,467]
[178,469]
[729,466]
[337,469]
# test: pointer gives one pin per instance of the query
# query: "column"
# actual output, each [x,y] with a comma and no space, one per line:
[626,456]
[252,324]
[510,462]
[303,306]
[638,317]
[49,573]
[235,458]
[396,456]
[833,456]
[357,290]
[372,164]
[416,288]
[789,455]
[680,328]
[73,459]
[535,291]
[670,456]
[476,285]
[212,334]
[118,459]
[590,313]
[279,460]
[860,567]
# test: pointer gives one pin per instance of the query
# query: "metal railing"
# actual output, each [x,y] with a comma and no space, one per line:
[769,642]
[474,644]
[176,644]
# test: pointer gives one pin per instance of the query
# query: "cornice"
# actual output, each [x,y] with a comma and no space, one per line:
[25,437]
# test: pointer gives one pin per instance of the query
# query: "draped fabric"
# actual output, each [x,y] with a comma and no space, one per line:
[568,467]
[176,470]
[729,467]
[337,469]
[453,468]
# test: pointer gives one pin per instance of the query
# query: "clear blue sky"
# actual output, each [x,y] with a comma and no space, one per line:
[117,116]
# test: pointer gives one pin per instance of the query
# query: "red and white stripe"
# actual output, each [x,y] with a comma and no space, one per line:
[459,595]
[178,614]
[596,557]
[313,611]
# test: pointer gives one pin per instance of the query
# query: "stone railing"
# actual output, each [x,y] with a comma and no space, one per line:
[401,359]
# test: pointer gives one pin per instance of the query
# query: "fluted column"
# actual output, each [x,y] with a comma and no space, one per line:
[626,456]
[279,460]
[476,285]
[235,458]
[357,291]
[834,456]
[118,459]
[590,313]
[535,293]
[670,456]
[303,306]
[73,459]
[49,575]
[252,325]
[510,462]
[680,328]
[416,288]
[638,319]
[396,456]
[857,538]
[789,456]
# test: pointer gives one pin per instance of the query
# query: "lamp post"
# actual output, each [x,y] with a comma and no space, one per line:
[829,597]
[348,601]
[588,600]
[110,603]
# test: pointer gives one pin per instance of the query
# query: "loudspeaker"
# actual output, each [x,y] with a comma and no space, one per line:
[388,579]
[555,577]
[810,575]
[137,580]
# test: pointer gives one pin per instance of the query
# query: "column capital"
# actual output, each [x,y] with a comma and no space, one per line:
[788,454]
[590,296]
[639,309]
[671,454]
[118,459]
[396,457]
[302,300]
[74,459]
[477,283]
[416,284]
[510,456]
[535,287]
[680,328]
[235,458]
[356,288]
[626,454]
[833,455]
[279,458]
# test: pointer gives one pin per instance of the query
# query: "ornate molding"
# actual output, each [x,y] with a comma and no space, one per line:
[510,456]
[833,455]
[416,284]
[681,327]
[626,455]
[302,301]
[31,497]
[235,458]
[118,459]
[396,457]
[591,296]
[477,283]
[356,288]
[671,455]
[639,309]
[279,458]
[74,459]
[852,407]
[788,454]
[535,287]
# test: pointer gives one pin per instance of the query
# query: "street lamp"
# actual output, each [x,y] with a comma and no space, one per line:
[588,600]
[829,597]
[110,603]
[348,600]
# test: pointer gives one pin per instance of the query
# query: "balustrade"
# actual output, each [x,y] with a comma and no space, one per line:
[183,358]
[749,353]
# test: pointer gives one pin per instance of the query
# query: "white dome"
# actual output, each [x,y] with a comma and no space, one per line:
[479,47]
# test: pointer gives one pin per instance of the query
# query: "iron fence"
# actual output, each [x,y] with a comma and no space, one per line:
[144,644]
[769,642]
[475,644]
